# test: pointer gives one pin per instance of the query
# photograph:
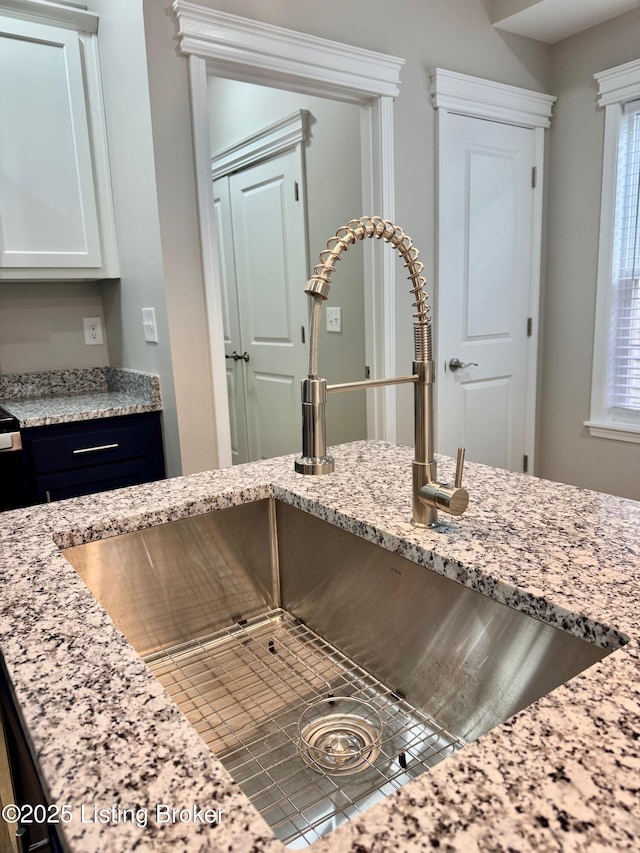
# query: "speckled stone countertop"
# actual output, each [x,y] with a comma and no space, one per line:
[62,396]
[561,775]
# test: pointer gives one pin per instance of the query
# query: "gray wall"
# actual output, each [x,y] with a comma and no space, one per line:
[141,285]
[179,234]
[147,106]
[566,451]
[41,326]
[334,196]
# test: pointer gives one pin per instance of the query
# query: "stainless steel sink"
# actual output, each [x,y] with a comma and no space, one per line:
[251,616]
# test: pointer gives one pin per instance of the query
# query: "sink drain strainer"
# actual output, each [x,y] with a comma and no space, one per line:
[340,736]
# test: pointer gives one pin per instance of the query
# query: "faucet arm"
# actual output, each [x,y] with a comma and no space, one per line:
[372,383]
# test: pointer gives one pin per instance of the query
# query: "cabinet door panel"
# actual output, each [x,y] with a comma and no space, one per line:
[48,214]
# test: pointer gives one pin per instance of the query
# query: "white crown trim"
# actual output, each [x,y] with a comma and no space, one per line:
[620,84]
[473,96]
[270,141]
[234,47]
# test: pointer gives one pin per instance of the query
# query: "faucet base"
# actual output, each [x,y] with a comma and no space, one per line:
[424,515]
[306,465]
[426,525]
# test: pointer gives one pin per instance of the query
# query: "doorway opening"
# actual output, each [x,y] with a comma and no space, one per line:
[218,44]
[281,182]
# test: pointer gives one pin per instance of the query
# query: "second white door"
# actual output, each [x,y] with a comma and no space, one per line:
[261,232]
[484,285]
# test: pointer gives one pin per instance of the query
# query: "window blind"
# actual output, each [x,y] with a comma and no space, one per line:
[624,341]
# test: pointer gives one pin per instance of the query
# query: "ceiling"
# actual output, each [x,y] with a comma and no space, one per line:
[551,21]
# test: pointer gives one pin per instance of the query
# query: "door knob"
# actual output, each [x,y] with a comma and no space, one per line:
[234,355]
[456,364]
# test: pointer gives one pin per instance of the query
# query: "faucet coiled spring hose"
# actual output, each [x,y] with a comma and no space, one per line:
[320,282]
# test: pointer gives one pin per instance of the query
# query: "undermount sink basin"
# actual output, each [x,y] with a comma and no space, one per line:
[322,670]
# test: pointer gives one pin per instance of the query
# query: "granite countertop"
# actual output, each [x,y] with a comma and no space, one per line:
[63,396]
[563,774]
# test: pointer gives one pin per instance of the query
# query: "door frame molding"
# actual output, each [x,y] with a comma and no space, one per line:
[225,45]
[462,94]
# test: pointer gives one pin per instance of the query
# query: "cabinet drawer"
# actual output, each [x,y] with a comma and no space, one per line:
[88,448]
[65,460]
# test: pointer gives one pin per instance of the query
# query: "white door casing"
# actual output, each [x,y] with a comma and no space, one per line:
[266,204]
[227,45]
[490,160]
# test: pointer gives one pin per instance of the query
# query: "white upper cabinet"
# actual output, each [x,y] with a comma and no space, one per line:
[56,214]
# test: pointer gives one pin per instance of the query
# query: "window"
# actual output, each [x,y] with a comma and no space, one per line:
[624,373]
[615,393]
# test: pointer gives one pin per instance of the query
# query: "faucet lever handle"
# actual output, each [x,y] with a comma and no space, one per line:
[459,466]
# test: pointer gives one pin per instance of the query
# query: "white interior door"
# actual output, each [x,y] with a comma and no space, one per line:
[270,268]
[486,218]
[231,323]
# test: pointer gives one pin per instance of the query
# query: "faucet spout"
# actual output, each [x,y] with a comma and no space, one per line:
[428,494]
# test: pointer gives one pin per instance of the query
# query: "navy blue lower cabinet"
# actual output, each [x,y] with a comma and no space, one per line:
[80,458]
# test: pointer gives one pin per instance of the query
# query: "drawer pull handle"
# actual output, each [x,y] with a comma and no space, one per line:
[94,449]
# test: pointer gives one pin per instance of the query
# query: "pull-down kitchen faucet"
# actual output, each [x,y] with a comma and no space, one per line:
[428,494]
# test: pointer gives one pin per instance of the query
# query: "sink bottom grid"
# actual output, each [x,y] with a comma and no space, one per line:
[245,688]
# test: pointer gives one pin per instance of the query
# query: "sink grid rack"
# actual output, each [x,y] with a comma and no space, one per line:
[244,690]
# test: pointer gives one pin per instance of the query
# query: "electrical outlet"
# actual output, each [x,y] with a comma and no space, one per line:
[334,319]
[93,334]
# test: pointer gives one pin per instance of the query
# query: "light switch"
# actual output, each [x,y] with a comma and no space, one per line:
[149,325]
[334,319]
